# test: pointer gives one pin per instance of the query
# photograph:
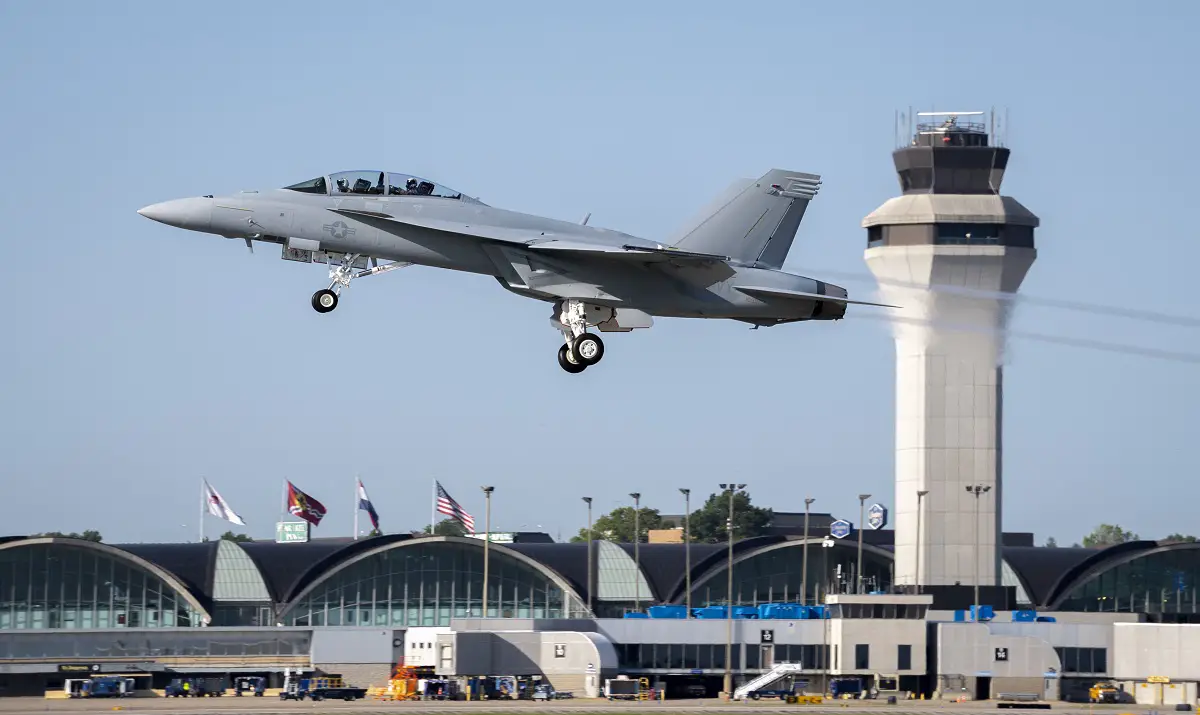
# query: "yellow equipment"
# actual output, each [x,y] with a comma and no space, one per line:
[402,685]
[1104,692]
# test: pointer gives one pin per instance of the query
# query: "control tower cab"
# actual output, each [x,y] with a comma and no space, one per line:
[945,250]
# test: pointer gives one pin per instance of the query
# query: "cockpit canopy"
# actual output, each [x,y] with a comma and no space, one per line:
[374,183]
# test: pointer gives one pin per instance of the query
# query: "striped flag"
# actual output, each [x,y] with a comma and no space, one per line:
[446,505]
[364,504]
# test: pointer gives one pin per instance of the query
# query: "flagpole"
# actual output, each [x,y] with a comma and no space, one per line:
[203,499]
[356,505]
[433,509]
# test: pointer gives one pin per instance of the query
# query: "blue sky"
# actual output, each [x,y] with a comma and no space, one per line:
[138,359]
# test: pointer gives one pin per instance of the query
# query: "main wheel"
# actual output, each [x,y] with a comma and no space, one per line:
[588,349]
[565,361]
[324,300]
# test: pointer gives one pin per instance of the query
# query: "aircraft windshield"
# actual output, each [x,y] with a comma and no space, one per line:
[375,183]
[312,186]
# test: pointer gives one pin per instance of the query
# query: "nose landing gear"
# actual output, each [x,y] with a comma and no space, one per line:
[326,299]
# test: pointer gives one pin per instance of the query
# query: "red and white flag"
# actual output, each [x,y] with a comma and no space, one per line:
[218,507]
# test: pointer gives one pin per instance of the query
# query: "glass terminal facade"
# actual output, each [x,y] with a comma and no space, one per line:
[1159,582]
[775,575]
[427,584]
[67,586]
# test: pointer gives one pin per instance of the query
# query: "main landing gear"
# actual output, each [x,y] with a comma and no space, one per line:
[326,299]
[581,348]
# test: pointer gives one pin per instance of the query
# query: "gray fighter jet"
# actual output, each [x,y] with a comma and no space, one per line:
[725,263]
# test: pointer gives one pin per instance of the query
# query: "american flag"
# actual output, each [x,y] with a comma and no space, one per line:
[446,505]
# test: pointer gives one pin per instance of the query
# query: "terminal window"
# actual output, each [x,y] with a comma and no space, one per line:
[903,657]
[862,656]
[1083,660]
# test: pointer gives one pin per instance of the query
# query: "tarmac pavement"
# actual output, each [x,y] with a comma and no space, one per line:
[228,705]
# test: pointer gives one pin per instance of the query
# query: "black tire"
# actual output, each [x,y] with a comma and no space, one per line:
[565,363]
[324,300]
[589,348]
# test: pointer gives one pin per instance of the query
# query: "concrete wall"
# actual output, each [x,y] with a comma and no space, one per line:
[970,649]
[884,638]
[1143,650]
[359,675]
[700,631]
[341,644]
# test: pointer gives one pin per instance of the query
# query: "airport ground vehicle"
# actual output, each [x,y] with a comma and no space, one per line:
[324,688]
[196,687]
[255,684]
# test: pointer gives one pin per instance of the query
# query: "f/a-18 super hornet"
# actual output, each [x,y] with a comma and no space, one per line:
[725,264]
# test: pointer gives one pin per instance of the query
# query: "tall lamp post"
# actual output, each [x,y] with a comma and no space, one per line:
[732,489]
[977,490]
[588,501]
[862,501]
[687,547]
[920,495]
[487,538]
[637,561]
[804,563]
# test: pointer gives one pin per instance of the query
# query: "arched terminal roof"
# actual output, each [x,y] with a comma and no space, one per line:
[215,571]
[196,600]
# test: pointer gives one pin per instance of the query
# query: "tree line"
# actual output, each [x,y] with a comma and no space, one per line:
[707,526]
[1106,535]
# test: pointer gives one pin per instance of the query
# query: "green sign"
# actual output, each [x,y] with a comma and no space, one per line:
[291,531]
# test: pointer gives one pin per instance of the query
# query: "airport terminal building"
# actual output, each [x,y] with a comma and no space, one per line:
[1064,618]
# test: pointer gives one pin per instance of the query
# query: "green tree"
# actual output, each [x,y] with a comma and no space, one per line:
[1189,539]
[230,536]
[1051,543]
[1108,535]
[446,527]
[708,523]
[89,535]
[617,525]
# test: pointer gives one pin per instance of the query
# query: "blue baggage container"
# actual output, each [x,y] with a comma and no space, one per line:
[667,611]
[1025,616]
[1046,619]
[636,614]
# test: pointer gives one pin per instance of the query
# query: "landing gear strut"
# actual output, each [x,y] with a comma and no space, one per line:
[581,348]
[326,299]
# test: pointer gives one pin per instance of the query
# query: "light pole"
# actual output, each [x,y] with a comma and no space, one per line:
[588,500]
[487,537]
[977,490]
[920,495]
[804,563]
[862,501]
[825,661]
[637,561]
[732,488]
[687,547]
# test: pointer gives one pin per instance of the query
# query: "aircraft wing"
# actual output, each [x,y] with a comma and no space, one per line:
[800,295]
[541,241]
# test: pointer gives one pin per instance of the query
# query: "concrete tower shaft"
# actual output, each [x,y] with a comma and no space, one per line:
[945,231]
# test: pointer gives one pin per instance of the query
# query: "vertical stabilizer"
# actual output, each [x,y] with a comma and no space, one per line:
[754,221]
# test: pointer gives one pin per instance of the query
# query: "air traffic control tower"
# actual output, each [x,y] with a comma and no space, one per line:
[944,251]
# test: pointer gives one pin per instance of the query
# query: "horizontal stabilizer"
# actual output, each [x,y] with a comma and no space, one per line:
[800,295]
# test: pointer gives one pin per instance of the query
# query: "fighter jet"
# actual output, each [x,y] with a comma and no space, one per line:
[726,263]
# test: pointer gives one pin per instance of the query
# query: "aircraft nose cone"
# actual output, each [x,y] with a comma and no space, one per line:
[191,214]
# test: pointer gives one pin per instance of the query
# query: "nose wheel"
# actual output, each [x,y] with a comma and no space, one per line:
[586,350]
[324,300]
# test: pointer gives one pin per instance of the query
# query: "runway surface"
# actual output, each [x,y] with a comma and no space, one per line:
[273,706]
